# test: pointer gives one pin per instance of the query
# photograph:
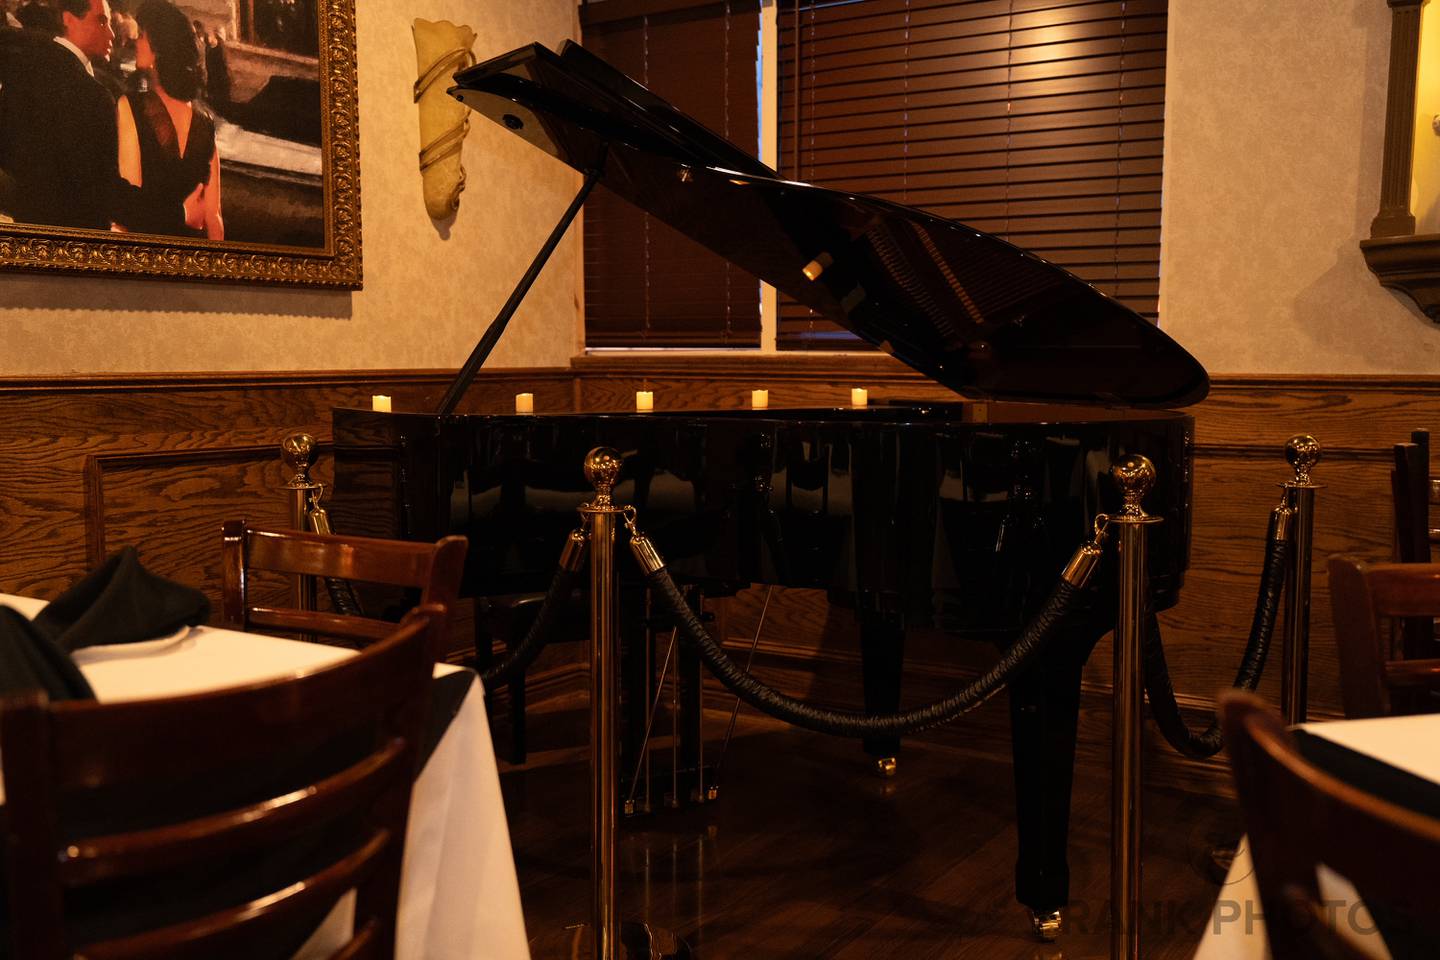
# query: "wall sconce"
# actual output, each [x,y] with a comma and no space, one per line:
[441,49]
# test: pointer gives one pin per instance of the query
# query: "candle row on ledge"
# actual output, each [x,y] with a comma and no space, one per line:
[644,401]
[759,399]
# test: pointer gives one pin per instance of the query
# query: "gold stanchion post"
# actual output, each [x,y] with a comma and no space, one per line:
[1302,452]
[605,937]
[297,451]
[1134,475]
[601,469]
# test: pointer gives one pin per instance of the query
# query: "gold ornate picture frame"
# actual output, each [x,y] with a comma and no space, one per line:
[290,179]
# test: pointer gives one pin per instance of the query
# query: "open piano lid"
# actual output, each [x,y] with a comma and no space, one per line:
[966,309]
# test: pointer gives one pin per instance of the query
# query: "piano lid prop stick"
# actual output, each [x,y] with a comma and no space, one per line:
[759,399]
[524,403]
[380,403]
[859,397]
[644,401]
[497,326]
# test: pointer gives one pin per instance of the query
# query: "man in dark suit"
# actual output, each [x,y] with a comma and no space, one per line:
[58,140]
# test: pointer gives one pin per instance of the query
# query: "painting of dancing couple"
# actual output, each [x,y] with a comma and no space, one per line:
[193,119]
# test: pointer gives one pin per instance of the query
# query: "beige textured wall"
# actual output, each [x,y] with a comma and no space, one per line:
[427,296]
[1274,117]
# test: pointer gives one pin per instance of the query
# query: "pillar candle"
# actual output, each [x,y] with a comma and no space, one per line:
[859,397]
[644,401]
[759,399]
[524,403]
[380,403]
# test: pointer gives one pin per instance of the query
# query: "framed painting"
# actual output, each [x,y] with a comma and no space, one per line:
[187,139]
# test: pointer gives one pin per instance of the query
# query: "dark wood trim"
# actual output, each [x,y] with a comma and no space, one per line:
[112,382]
[1265,451]
[722,364]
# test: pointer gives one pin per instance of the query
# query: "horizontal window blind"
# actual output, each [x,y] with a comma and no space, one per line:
[647,284]
[1040,121]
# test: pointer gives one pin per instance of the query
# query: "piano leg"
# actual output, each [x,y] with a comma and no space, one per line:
[1044,715]
[882,657]
[690,749]
[638,684]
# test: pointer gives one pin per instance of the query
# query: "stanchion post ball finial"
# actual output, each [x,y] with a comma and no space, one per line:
[298,451]
[602,469]
[1302,452]
[1134,475]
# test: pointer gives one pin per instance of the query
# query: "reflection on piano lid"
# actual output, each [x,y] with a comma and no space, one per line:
[966,309]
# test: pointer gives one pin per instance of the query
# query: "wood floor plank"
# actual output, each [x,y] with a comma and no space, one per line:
[806,855]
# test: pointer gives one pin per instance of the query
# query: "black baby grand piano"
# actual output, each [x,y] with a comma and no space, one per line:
[951,515]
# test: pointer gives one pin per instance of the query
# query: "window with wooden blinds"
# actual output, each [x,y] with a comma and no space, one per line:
[1039,121]
[646,284]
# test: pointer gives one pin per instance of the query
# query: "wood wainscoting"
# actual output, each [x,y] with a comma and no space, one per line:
[92,463]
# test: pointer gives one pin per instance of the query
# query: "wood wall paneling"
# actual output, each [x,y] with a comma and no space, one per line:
[90,463]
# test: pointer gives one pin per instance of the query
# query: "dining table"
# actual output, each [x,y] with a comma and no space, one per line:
[459,897]
[1397,758]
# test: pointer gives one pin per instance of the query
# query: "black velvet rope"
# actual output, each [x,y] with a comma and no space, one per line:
[342,597]
[1161,691]
[519,658]
[1038,633]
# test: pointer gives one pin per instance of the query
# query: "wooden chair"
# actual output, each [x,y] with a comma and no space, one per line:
[1299,817]
[216,825]
[433,568]
[1414,494]
[1374,683]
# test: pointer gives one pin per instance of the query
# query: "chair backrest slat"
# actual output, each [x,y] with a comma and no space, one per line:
[93,859]
[145,794]
[246,930]
[434,569]
[339,626]
[138,739]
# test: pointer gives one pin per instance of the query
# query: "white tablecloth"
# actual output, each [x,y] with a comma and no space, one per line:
[459,899]
[1237,930]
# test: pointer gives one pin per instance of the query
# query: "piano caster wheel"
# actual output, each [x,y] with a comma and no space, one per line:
[1046,926]
[885,767]
[712,793]
[638,941]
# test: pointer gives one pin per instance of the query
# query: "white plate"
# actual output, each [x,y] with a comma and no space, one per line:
[143,648]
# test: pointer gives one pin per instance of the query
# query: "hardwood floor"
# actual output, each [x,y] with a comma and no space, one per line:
[807,855]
